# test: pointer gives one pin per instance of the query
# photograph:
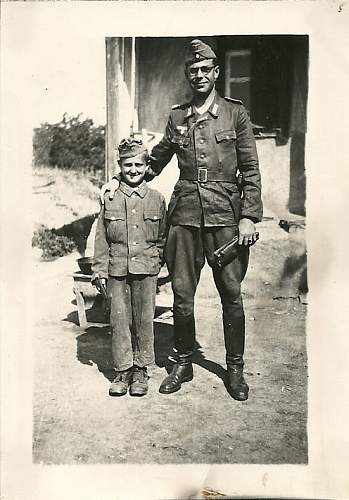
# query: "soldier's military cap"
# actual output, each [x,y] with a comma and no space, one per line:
[131,147]
[198,51]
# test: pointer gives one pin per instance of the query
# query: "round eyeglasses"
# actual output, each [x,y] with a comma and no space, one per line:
[205,70]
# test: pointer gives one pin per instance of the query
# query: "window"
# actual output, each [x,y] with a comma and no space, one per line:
[238,76]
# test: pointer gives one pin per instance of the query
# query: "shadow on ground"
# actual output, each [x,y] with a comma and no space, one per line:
[94,348]
[296,265]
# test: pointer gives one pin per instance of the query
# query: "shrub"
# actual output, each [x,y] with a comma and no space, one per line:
[51,244]
[72,143]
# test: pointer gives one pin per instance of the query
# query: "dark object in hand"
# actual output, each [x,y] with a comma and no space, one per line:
[85,264]
[101,287]
[226,253]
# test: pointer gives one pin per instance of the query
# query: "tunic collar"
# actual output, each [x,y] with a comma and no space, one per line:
[141,190]
[213,109]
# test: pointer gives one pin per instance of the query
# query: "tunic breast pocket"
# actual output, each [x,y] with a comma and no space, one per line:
[115,223]
[151,225]
[226,146]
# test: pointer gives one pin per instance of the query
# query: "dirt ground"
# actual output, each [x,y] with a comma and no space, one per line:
[75,420]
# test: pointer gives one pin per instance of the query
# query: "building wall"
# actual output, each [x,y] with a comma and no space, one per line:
[161,81]
[278,97]
[298,127]
[274,161]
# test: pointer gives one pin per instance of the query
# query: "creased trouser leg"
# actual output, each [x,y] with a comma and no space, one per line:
[120,323]
[185,252]
[143,292]
[131,317]
[228,282]
[185,259]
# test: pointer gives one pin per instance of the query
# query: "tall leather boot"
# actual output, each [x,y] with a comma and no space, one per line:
[182,371]
[234,337]
[236,383]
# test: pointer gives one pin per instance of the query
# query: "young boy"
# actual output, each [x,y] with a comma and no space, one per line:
[129,245]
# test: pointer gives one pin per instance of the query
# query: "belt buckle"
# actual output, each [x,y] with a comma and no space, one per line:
[202,175]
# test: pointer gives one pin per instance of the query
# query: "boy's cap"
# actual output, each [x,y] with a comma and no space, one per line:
[131,147]
[198,51]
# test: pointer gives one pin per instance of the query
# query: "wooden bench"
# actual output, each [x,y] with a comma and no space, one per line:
[82,285]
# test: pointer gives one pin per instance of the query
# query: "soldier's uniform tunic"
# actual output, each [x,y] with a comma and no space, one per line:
[206,207]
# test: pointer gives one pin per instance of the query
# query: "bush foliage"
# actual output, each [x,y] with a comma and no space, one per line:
[73,143]
[51,244]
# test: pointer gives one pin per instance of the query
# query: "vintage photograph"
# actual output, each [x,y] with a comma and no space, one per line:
[170,256]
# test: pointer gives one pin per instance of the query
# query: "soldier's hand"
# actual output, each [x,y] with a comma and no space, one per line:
[149,174]
[111,186]
[247,232]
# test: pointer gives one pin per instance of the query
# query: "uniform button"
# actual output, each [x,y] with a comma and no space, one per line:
[202,141]
[202,155]
[133,210]
[133,258]
[135,226]
[200,126]
[112,218]
[134,243]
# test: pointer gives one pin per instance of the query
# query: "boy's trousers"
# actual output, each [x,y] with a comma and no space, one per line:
[131,318]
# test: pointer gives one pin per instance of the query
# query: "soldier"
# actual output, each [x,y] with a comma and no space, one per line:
[213,140]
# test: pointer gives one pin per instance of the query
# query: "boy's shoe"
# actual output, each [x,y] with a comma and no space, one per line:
[139,382]
[120,384]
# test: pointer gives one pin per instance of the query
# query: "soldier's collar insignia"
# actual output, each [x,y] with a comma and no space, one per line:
[190,112]
[214,109]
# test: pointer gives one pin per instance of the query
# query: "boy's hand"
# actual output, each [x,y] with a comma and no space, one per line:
[111,186]
[100,284]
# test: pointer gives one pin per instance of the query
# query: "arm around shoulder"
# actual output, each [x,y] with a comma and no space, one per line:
[110,186]
[162,153]
[162,230]
[101,249]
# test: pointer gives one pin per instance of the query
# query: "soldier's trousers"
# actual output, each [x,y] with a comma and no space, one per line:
[131,318]
[186,250]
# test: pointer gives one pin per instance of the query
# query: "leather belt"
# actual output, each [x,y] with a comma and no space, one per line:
[205,175]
